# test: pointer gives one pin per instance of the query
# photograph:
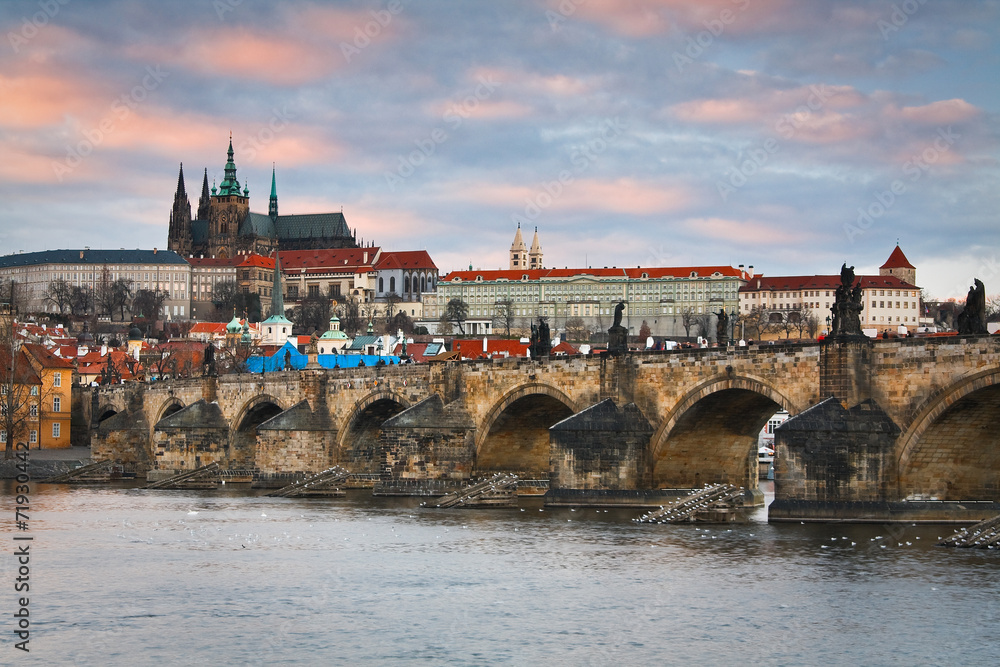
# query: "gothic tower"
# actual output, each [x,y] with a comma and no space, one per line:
[229,208]
[179,231]
[518,251]
[205,202]
[535,254]
[272,207]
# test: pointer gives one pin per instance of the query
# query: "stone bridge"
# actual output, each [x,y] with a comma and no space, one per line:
[913,417]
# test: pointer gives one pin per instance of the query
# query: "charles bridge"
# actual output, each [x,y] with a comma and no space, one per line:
[878,427]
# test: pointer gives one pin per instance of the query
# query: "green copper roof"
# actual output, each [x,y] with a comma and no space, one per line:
[230,186]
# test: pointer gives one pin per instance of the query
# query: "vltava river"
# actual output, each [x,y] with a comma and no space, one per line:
[133,577]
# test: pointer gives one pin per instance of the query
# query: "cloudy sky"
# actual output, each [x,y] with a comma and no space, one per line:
[791,135]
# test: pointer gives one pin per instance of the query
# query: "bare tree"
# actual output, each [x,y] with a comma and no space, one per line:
[457,311]
[59,293]
[503,315]
[687,320]
[81,301]
[753,324]
[645,331]
[19,385]
[147,303]
[703,321]
[350,317]
[392,301]
[576,329]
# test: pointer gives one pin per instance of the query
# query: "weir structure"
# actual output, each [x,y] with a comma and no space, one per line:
[898,429]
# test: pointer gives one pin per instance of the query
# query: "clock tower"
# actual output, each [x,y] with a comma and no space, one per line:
[228,208]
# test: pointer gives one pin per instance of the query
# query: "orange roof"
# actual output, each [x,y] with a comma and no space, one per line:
[341,259]
[45,357]
[630,273]
[897,260]
[473,348]
[409,259]
[208,328]
[254,259]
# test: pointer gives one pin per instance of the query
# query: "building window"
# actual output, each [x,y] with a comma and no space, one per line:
[381,285]
[56,404]
[314,291]
[56,429]
[33,410]
[3,436]
[34,390]
[57,379]
[33,436]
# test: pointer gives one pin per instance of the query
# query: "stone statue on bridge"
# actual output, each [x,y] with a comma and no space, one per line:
[972,320]
[617,334]
[847,307]
[722,327]
[541,340]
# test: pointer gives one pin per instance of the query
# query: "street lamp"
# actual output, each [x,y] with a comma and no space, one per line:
[827,325]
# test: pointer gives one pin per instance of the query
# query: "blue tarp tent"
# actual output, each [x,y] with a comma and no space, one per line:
[288,357]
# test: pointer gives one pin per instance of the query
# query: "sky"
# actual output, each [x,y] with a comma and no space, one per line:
[789,135]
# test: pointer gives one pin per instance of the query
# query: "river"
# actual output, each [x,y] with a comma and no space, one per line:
[135,577]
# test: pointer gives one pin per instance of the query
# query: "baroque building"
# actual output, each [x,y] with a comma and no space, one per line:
[225,226]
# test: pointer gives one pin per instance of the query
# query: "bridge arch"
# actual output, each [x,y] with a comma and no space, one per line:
[710,436]
[106,411]
[514,434]
[243,429]
[951,450]
[358,441]
[167,408]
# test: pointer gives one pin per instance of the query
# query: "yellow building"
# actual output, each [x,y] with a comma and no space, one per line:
[55,374]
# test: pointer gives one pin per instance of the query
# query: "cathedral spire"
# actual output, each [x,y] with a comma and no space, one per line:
[229,185]
[180,183]
[518,251]
[204,202]
[535,254]
[272,207]
[277,300]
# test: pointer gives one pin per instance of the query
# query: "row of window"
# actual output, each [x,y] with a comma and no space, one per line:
[33,434]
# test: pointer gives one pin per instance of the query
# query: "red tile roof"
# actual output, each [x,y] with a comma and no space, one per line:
[794,283]
[45,357]
[473,348]
[258,260]
[897,260]
[340,259]
[409,259]
[631,273]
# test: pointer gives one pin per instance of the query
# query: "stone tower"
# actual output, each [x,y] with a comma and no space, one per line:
[535,254]
[229,207]
[518,251]
[897,265]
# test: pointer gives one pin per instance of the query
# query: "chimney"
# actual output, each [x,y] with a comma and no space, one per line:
[485,347]
[154,251]
[743,272]
[366,258]
[750,270]
[81,254]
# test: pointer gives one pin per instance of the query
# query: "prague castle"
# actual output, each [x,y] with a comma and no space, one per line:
[225,226]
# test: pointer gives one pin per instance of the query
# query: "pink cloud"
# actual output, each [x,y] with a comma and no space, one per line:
[41,99]
[308,45]
[622,195]
[942,112]
[646,18]
[752,232]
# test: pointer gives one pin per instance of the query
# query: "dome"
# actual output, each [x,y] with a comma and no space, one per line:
[134,333]
[234,325]
[85,338]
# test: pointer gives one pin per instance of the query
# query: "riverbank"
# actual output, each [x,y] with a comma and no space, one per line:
[45,463]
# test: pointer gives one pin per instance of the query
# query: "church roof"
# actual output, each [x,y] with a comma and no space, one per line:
[897,260]
[407,259]
[258,224]
[311,225]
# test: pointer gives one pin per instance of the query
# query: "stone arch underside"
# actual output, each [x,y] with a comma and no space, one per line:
[243,439]
[359,449]
[515,435]
[711,437]
[105,412]
[169,407]
[952,452]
